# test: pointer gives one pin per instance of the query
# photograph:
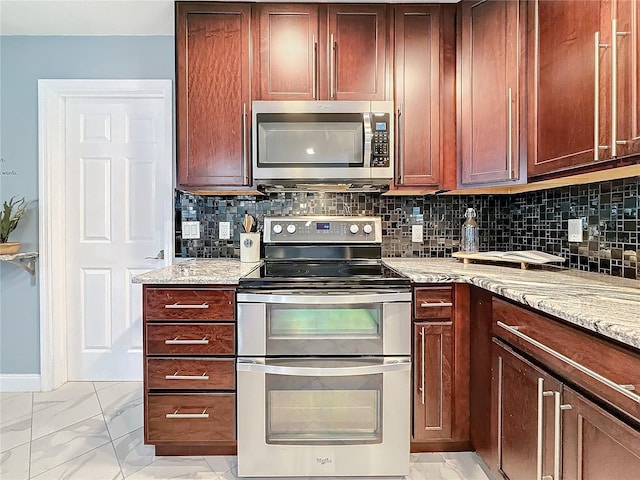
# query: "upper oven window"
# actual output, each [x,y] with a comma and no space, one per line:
[318,322]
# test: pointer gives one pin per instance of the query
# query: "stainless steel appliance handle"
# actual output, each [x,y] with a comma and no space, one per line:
[339,298]
[375,369]
[578,366]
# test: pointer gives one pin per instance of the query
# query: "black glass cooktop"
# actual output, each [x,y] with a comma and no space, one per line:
[318,274]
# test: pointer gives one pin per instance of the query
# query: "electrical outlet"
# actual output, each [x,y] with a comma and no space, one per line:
[190,230]
[417,233]
[225,231]
[575,230]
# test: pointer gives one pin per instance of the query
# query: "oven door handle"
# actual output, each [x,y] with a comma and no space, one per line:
[339,298]
[397,365]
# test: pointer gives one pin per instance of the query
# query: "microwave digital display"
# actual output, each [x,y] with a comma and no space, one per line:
[380,126]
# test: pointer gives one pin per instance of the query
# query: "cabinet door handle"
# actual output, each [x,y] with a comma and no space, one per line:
[422,350]
[244,139]
[400,132]
[332,67]
[596,100]
[179,306]
[175,376]
[539,447]
[557,431]
[314,67]
[614,87]
[442,303]
[175,414]
[510,133]
[578,366]
[177,341]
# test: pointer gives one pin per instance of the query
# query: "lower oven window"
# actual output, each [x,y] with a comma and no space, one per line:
[291,321]
[324,410]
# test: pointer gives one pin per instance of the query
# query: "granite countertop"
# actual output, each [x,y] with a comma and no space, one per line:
[601,303]
[221,271]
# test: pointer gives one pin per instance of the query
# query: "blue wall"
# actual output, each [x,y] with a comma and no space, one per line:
[24,60]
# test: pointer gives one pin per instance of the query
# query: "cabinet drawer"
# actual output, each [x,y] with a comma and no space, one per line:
[188,304]
[208,417]
[433,302]
[190,339]
[191,373]
[597,365]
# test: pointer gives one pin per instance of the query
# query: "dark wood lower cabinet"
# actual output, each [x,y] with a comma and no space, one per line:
[595,444]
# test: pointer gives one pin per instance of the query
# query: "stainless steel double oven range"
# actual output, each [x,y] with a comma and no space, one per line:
[324,344]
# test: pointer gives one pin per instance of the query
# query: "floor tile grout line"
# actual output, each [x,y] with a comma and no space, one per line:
[115,454]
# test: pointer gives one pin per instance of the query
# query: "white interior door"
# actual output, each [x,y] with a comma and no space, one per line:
[118,213]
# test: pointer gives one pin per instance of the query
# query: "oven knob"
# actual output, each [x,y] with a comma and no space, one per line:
[291,228]
[277,228]
[367,229]
[354,228]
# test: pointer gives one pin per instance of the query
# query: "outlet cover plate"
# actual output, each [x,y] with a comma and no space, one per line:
[225,231]
[190,230]
[417,233]
[575,230]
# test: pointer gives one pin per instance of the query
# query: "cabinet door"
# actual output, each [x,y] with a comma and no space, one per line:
[213,94]
[489,92]
[357,52]
[522,398]
[417,95]
[626,72]
[568,113]
[287,60]
[433,377]
[595,444]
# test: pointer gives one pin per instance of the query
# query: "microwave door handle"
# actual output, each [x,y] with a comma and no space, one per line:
[368,138]
[393,366]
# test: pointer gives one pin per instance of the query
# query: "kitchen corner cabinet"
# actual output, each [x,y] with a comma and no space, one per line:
[569,64]
[423,73]
[189,370]
[564,402]
[440,363]
[213,94]
[491,43]
[321,52]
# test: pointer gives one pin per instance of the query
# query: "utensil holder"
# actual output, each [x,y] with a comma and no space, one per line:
[249,247]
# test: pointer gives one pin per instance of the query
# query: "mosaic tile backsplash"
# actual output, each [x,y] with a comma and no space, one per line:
[536,220]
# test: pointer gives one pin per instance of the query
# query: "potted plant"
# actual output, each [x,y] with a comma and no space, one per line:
[10,216]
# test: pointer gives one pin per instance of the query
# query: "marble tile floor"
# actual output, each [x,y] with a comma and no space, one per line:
[93,431]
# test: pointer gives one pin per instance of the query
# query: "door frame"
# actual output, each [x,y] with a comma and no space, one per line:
[52,98]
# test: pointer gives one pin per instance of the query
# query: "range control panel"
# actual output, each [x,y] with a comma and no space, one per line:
[322,229]
[380,140]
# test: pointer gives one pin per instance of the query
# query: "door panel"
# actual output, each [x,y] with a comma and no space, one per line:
[119,200]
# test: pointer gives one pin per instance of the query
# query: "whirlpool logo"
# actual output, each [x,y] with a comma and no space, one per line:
[324,461]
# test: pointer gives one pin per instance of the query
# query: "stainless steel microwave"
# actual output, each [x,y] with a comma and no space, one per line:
[322,141]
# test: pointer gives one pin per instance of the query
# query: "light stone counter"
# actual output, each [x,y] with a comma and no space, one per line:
[604,304]
[220,271]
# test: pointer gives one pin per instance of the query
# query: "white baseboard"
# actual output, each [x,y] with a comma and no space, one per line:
[17,382]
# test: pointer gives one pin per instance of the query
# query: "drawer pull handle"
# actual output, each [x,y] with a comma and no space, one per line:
[578,366]
[442,303]
[176,341]
[184,305]
[175,376]
[175,414]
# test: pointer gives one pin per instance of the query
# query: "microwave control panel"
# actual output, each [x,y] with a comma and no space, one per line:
[380,140]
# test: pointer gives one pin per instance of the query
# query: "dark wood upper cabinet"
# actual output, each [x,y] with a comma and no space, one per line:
[287,60]
[491,44]
[626,71]
[569,102]
[424,94]
[320,52]
[213,94]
